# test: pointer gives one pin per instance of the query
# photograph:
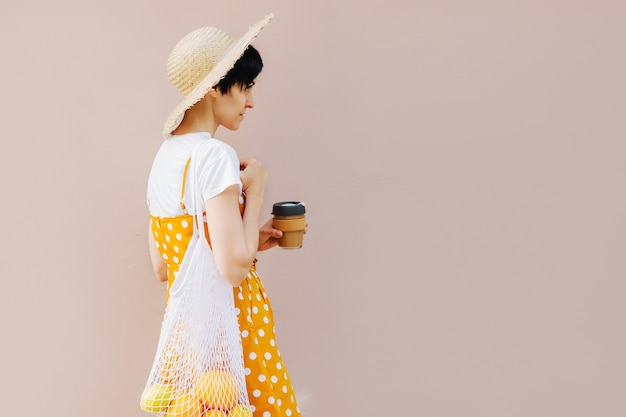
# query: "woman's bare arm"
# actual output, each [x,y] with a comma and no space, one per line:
[234,240]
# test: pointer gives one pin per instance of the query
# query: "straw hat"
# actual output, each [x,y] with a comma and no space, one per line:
[200,60]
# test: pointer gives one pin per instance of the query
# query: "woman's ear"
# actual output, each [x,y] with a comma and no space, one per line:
[212,92]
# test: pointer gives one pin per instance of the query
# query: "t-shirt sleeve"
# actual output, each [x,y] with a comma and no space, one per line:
[219,168]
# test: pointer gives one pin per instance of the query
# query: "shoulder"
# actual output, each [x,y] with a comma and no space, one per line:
[215,149]
[216,146]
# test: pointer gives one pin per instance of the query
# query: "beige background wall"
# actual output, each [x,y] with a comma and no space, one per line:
[462,164]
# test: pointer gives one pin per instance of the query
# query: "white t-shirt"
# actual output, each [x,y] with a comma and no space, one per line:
[218,166]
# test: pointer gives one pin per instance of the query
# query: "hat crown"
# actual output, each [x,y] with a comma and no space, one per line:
[195,56]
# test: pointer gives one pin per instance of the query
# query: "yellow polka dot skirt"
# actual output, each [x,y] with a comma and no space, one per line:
[268,384]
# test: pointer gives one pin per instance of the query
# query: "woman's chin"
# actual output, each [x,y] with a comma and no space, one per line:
[233,126]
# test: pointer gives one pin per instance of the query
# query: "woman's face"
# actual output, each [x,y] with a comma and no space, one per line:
[229,109]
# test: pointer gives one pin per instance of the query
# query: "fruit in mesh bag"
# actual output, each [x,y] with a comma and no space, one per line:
[156,398]
[185,405]
[240,410]
[217,390]
[215,413]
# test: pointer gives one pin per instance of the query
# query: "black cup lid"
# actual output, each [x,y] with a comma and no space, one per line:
[288,208]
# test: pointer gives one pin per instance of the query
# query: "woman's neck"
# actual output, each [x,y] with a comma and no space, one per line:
[197,119]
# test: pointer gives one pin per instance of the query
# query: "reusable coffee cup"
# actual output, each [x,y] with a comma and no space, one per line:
[289,218]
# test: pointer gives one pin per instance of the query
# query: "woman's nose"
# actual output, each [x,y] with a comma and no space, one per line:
[250,101]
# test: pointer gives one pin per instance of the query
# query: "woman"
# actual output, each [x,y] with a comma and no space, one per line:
[216,73]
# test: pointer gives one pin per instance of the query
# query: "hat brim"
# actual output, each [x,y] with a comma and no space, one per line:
[214,76]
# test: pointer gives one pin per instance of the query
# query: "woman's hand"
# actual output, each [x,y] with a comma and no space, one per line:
[268,236]
[253,175]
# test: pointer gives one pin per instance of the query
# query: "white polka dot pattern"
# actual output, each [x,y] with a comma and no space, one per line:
[275,393]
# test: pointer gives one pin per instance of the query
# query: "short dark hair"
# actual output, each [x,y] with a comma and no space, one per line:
[246,69]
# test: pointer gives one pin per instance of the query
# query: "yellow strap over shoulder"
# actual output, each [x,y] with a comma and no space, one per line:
[182,193]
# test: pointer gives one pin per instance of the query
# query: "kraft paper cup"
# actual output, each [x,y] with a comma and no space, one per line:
[290,219]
